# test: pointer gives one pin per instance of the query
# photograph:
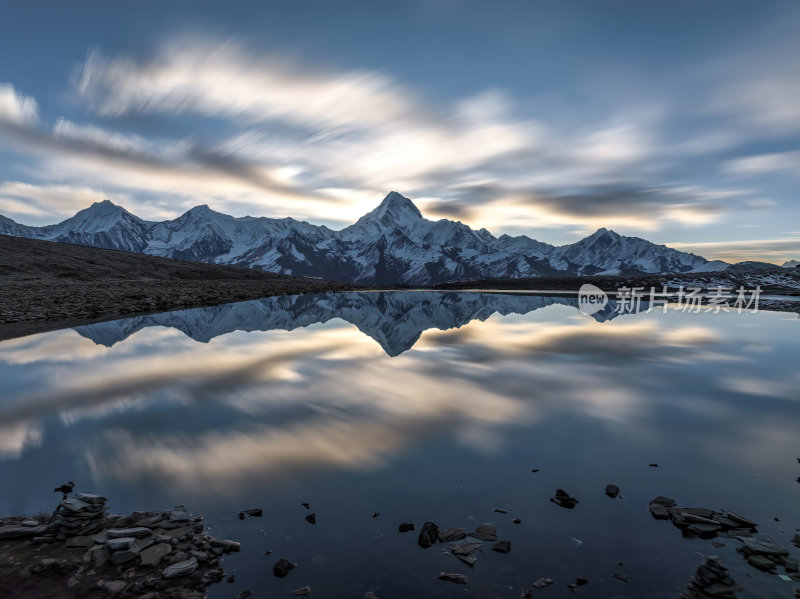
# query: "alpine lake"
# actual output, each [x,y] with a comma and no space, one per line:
[382,408]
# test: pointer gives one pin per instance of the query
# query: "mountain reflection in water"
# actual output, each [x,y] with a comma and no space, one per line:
[269,402]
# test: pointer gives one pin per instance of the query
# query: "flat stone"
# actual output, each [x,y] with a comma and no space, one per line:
[183,568]
[453,577]
[79,542]
[659,512]
[44,539]
[120,543]
[470,560]
[29,523]
[179,514]
[302,591]
[139,532]
[485,532]
[100,537]
[762,546]
[762,562]
[451,534]
[466,548]
[225,545]
[155,553]
[124,556]
[665,501]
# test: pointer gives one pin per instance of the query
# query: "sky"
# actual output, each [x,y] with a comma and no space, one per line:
[674,121]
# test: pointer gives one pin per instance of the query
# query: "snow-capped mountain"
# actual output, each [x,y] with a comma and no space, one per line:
[395,320]
[790,264]
[392,244]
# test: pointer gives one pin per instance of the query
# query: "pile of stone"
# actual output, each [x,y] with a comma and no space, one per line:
[712,580]
[80,515]
[702,522]
[143,554]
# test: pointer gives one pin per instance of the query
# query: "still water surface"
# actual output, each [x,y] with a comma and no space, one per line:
[420,406]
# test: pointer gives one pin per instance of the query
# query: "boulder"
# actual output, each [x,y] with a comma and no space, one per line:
[428,535]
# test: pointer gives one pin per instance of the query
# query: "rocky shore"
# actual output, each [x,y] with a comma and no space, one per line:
[83,551]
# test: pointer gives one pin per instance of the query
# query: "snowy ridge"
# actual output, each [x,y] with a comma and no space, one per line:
[395,320]
[392,244]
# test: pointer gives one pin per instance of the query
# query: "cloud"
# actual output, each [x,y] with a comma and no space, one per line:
[761,164]
[16,108]
[39,203]
[767,250]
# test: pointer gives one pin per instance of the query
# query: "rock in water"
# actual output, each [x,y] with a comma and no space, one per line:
[543,583]
[453,577]
[612,491]
[282,567]
[485,532]
[180,569]
[405,526]
[711,580]
[564,499]
[451,534]
[302,592]
[659,507]
[428,535]
[312,518]
[502,546]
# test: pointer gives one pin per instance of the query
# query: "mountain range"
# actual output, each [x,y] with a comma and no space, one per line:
[395,320]
[392,244]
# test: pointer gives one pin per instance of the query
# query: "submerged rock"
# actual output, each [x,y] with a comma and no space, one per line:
[302,591]
[428,535]
[502,546]
[312,518]
[451,534]
[543,583]
[711,580]
[282,567]
[563,499]
[659,507]
[453,577]
[405,527]
[485,532]
[612,491]
[253,513]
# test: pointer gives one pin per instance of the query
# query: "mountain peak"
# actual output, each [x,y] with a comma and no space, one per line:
[395,210]
[397,203]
